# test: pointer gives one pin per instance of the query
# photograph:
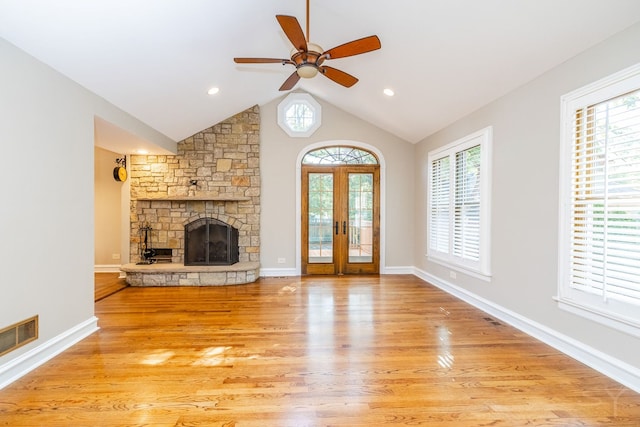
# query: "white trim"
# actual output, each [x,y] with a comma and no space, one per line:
[612,320]
[37,356]
[278,272]
[607,87]
[467,141]
[397,270]
[460,269]
[383,187]
[106,268]
[289,272]
[613,368]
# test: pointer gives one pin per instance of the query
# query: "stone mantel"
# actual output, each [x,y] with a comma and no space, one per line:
[194,199]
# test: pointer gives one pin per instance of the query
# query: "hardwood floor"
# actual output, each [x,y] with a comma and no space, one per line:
[107,284]
[311,351]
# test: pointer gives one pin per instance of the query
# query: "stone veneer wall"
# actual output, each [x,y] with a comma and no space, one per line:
[225,161]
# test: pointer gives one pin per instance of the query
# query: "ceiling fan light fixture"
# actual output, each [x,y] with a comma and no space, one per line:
[309,58]
[307,71]
[312,47]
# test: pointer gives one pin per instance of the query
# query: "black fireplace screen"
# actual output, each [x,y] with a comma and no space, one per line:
[208,241]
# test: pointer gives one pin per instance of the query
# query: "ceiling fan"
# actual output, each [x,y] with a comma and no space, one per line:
[308,58]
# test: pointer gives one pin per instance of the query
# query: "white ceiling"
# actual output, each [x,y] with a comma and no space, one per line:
[156,59]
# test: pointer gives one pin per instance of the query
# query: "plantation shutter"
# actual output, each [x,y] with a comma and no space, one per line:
[439,215]
[605,199]
[466,220]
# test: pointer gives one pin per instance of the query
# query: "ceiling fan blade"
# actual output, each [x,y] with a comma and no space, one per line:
[355,47]
[261,61]
[340,77]
[293,30]
[290,82]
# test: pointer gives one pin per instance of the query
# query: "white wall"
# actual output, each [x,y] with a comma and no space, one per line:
[526,127]
[278,162]
[46,212]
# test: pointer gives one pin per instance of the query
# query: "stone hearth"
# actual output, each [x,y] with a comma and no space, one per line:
[177,274]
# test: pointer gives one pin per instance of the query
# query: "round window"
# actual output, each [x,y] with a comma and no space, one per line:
[299,115]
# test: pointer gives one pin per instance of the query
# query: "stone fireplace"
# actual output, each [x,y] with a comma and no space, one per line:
[214,179]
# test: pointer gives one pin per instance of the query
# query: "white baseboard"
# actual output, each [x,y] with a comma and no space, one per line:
[397,270]
[106,268]
[278,272]
[35,357]
[286,272]
[607,365]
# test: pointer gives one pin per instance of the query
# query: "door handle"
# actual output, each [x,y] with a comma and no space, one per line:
[344,227]
[337,228]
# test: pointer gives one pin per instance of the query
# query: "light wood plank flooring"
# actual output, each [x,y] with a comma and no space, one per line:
[312,351]
[107,284]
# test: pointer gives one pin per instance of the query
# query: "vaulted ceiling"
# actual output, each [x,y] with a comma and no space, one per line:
[156,59]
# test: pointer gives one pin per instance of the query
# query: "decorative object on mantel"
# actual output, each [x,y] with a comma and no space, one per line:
[308,58]
[120,171]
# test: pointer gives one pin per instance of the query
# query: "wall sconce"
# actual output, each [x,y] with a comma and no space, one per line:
[193,182]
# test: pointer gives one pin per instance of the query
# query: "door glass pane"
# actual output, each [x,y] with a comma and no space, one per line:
[339,156]
[360,217]
[320,219]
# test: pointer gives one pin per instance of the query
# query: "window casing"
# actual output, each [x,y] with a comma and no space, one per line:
[599,241]
[299,115]
[458,204]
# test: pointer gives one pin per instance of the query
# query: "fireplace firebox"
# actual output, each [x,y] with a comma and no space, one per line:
[208,241]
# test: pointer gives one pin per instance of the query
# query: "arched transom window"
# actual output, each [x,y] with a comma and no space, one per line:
[340,155]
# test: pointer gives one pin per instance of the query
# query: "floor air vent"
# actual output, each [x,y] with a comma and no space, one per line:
[493,322]
[18,335]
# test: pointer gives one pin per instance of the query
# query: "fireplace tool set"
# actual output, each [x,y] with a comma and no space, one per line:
[147,253]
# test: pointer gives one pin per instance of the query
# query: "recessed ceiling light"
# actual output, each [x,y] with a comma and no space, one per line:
[388,92]
[143,151]
[213,91]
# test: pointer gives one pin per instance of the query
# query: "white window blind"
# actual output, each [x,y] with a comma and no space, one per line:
[439,197]
[458,204]
[466,220]
[605,199]
[599,250]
